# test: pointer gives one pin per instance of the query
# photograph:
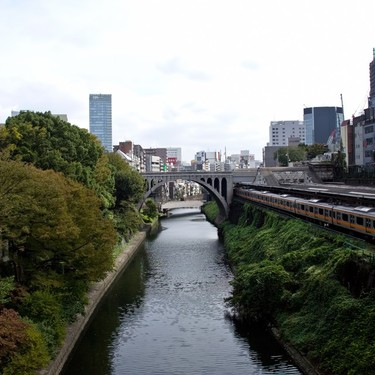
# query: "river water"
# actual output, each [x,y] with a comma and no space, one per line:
[166,314]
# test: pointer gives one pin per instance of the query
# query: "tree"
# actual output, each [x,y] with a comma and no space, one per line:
[314,150]
[284,155]
[150,210]
[12,334]
[51,221]
[51,143]
[129,184]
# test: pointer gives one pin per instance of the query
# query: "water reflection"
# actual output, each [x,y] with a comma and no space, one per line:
[166,314]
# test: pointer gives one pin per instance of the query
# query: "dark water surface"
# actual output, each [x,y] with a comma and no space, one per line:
[166,314]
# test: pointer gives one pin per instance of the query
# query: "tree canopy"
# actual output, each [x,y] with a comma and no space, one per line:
[48,142]
[64,205]
[129,184]
[50,220]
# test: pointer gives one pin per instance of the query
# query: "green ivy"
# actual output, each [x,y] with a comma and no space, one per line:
[312,284]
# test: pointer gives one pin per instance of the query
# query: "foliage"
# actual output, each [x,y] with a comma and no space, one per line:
[127,220]
[51,143]
[211,210]
[41,214]
[284,155]
[12,334]
[45,309]
[61,200]
[6,287]
[258,289]
[129,184]
[309,283]
[149,210]
[30,357]
[315,149]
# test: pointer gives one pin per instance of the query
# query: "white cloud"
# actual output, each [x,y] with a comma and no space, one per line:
[189,73]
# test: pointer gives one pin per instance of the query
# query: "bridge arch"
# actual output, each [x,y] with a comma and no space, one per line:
[217,184]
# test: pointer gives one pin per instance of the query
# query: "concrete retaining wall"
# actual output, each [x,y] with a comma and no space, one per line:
[96,293]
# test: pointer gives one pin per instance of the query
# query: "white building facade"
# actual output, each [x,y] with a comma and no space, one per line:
[281,131]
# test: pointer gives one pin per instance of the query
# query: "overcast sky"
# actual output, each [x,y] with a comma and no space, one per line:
[197,74]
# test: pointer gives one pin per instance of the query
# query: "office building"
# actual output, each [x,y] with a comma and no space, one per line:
[174,158]
[323,125]
[101,119]
[371,101]
[281,133]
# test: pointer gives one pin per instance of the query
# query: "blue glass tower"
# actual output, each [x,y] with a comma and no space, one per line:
[101,118]
[323,123]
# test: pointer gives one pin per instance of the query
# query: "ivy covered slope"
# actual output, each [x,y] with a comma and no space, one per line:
[316,287]
[65,206]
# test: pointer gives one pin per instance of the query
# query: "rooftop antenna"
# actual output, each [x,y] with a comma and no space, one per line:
[342,106]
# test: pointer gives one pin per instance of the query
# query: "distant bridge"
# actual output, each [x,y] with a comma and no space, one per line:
[182,204]
[220,184]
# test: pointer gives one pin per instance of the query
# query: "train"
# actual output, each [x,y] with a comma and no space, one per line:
[356,220]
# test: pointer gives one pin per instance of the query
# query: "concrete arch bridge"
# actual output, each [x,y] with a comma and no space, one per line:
[218,184]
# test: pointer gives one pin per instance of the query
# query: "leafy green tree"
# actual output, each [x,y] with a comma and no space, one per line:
[12,334]
[284,155]
[150,209]
[314,150]
[129,184]
[51,143]
[127,220]
[51,221]
[31,353]
[6,287]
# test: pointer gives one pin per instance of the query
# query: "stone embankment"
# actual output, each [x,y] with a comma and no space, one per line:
[95,295]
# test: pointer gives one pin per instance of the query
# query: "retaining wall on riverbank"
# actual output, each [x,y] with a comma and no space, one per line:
[95,295]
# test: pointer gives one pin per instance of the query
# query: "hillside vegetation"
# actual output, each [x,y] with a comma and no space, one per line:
[317,288]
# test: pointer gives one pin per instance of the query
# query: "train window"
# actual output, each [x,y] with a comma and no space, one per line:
[311,209]
[345,217]
[302,207]
[327,213]
[368,223]
[360,221]
[320,211]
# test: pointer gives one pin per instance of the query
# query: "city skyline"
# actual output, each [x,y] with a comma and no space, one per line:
[200,76]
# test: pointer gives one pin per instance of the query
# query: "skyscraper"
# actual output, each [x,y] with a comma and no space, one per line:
[323,125]
[371,101]
[101,118]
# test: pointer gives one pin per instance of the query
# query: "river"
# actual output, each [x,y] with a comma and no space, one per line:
[166,313]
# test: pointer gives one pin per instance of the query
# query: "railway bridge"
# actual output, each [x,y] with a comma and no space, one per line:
[220,184]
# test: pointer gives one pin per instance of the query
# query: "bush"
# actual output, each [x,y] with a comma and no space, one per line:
[30,357]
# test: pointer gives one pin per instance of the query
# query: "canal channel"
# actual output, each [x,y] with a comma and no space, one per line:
[166,314]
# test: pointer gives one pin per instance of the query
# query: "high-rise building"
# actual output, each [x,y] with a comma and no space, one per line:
[101,118]
[323,125]
[371,101]
[283,132]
